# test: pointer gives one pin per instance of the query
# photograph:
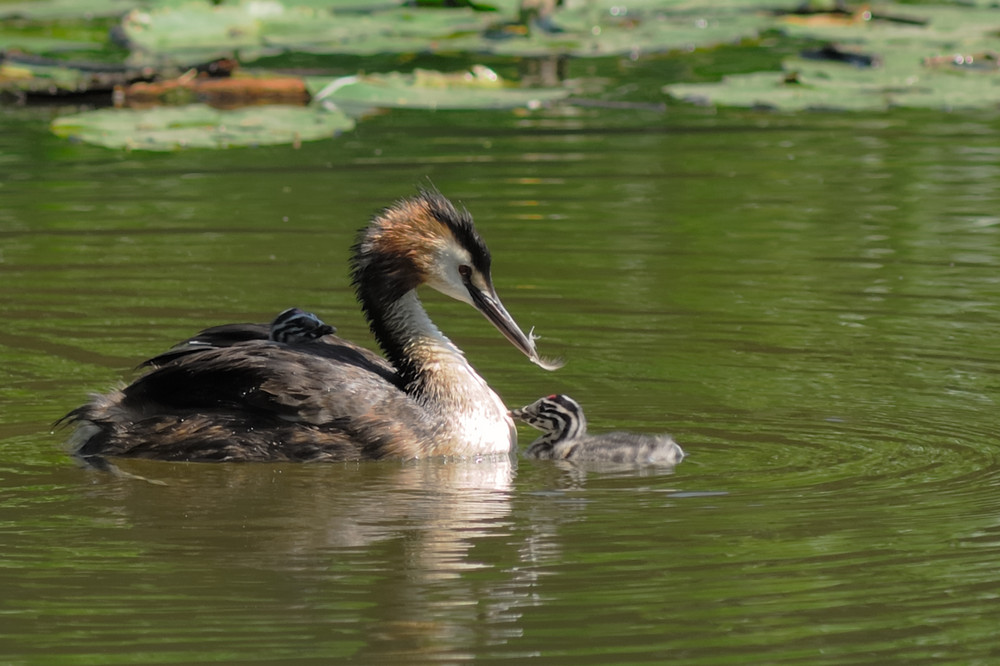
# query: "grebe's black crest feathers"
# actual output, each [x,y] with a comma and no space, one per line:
[460,223]
[390,251]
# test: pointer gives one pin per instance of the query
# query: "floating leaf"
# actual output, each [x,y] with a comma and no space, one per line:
[64,9]
[38,44]
[602,29]
[198,30]
[392,31]
[39,75]
[904,41]
[908,25]
[479,88]
[52,38]
[816,85]
[779,90]
[200,126]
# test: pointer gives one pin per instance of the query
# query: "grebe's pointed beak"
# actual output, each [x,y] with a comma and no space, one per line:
[489,304]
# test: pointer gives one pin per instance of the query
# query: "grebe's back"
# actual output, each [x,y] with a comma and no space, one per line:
[290,326]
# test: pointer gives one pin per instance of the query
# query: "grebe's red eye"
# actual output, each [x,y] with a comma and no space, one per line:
[552,397]
[464,271]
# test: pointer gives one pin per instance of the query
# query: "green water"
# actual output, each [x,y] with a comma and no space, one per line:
[808,303]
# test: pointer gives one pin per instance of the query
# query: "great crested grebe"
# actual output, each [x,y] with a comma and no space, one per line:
[295,325]
[564,437]
[232,394]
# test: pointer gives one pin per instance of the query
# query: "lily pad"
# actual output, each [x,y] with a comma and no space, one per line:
[52,38]
[167,35]
[194,32]
[812,85]
[40,44]
[588,29]
[895,24]
[201,126]
[479,88]
[198,30]
[54,78]
[908,43]
[64,9]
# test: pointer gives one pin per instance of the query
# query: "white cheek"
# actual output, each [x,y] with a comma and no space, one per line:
[446,277]
[450,286]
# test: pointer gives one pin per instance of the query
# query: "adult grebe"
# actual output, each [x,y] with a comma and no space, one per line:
[230,393]
[564,437]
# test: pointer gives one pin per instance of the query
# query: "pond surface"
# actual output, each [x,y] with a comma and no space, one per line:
[808,303]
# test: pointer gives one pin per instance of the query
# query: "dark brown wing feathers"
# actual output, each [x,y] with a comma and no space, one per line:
[235,396]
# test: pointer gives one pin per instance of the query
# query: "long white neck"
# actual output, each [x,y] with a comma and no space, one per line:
[472,417]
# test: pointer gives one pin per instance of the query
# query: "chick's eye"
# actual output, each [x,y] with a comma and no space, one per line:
[465,271]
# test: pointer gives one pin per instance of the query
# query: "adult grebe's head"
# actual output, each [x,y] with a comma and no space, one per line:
[426,240]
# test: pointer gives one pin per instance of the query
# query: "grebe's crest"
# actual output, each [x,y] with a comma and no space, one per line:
[426,240]
[417,240]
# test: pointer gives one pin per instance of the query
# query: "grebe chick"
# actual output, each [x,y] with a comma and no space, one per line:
[290,326]
[565,437]
[231,394]
[295,325]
